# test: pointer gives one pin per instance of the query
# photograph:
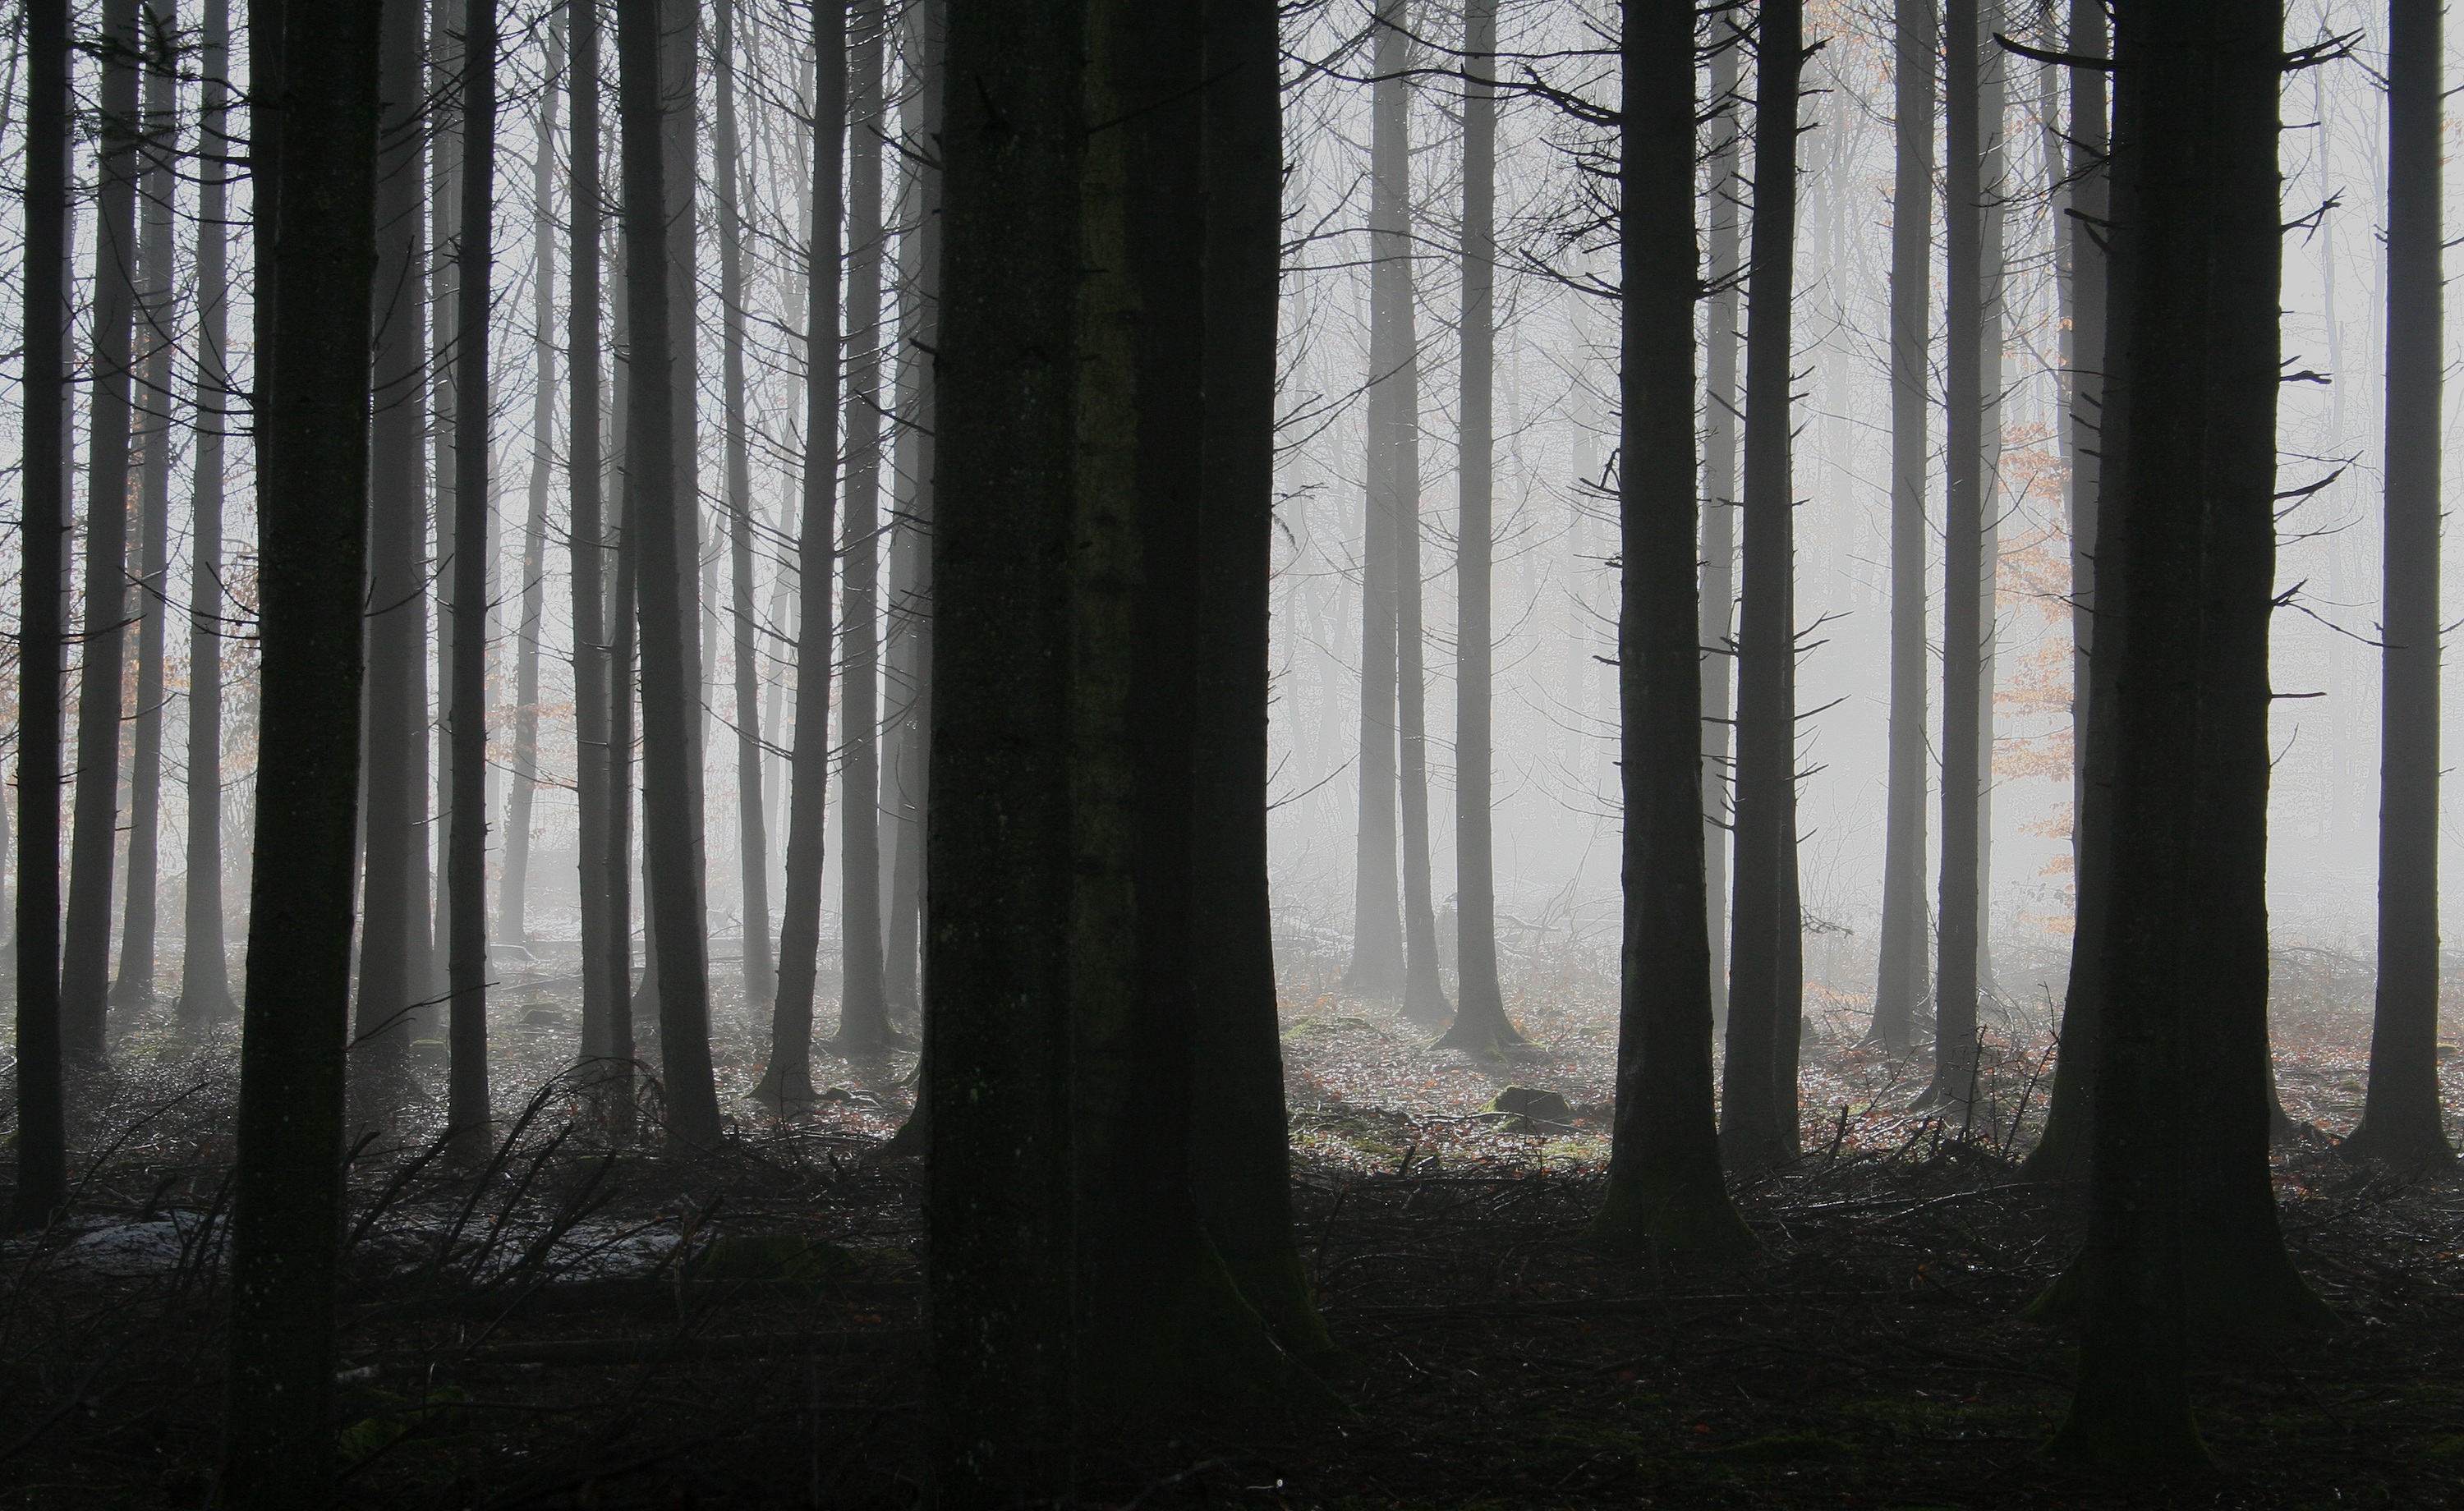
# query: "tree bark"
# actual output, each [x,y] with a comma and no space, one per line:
[445,128]
[1758,1114]
[605,949]
[205,975]
[1666,1188]
[752,843]
[1904,978]
[85,942]
[1963,562]
[2096,421]
[1719,542]
[42,1185]
[320,67]
[156,318]
[1480,1025]
[513,922]
[2400,1121]
[396,816]
[863,1013]
[788,1083]
[1377,968]
[668,681]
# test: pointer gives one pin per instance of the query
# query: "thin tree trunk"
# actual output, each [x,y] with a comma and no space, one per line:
[287,1202]
[1480,1025]
[1903,980]
[1758,1114]
[42,1185]
[85,945]
[1993,365]
[466,724]
[1666,1188]
[1719,543]
[445,28]
[1964,568]
[2096,423]
[513,896]
[761,980]
[604,980]
[156,318]
[2400,1122]
[680,135]
[205,978]
[1239,1155]
[1377,968]
[393,912]
[788,1083]
[668,680]
[863,1012]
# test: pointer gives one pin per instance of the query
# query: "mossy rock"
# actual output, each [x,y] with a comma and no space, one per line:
[768,1256]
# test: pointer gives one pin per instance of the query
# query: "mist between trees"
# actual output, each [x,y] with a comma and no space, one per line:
[1124,621]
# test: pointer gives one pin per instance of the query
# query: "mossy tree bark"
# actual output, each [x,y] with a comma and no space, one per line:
[1665,1188]
[1758,1116]
[2400,1122]
[788,1081]
[313,135]
[42,1184]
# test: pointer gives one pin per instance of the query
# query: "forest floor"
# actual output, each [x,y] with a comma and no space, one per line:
[581,1327]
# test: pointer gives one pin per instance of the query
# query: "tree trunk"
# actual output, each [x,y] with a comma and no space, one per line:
[863,1013]
[623,634]
[1902,981]
[788,1083]
[42,1185]
[760,981]
[287,1207]
[2096,423]
[1480,1025]
[85,945]
[1240,1156]
[467,720]
[605,950]
[1377,968]
[1719,542]
[2400,1122]
[513,895]
[396,796]
[1758,1116]
[668,683]
[445,28]
[680,133]
[1964,563]
[157,318]
[1666,1188]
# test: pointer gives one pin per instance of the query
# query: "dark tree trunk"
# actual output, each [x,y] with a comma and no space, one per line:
[42,1185]
[157,318]
[1240,1156]
[999,1238]
[1666,1188]
[2198,265]
[680,135]
[466,862]
[788,1081]
[752,843]
[1964,560]
[623,635]
[1758,1117]
[286,1234]
[1902,981]
[605,950]
[1480,1025]
[396,818]
[205,975]
[1719,539]
[668,683]
[2400,1122]
[445,25]
[863,1013]
[513,895]
[1377,968]
[908,683]
[2096,425]
[85,943]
